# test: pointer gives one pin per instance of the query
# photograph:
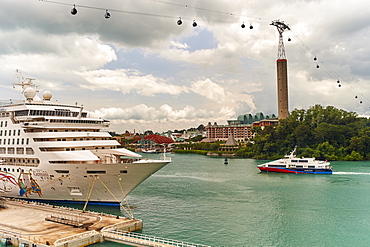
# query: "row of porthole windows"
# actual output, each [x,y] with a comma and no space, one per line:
[15,132]
[23,161]
[10,169]
[18,141]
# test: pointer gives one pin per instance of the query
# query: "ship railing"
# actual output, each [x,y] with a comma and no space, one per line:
[146,239]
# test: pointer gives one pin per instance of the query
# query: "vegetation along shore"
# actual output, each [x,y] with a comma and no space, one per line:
[326,133]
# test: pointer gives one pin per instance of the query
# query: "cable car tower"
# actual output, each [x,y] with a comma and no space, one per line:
[282,72]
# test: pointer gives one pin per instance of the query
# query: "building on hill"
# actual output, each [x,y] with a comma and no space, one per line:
[241,128]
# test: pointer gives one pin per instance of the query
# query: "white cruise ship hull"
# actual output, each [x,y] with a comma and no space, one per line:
[109,183]
[55,152]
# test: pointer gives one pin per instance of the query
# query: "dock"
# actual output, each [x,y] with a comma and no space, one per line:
[26,224]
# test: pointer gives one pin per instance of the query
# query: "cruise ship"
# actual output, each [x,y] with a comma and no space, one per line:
[55,152]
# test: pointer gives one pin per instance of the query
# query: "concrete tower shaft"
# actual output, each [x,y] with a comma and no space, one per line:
[282,72]
[282,88]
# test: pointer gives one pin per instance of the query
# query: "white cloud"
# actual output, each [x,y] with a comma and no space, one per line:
[165,117]
[177,75]
[128,80]
[210,90]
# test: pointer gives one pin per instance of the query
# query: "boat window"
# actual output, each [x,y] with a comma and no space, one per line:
[29,150]
[21,113]
[299,166]
[123,171]
[303,161]
[96,172]
[62,171]
[311,166]
[277,166]
[294,160]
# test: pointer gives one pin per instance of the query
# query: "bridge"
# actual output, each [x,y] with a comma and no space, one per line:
[137,239]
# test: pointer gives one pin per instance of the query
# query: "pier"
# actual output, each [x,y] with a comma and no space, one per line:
[35,224]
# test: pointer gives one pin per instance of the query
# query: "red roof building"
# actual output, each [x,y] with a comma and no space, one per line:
[158,139]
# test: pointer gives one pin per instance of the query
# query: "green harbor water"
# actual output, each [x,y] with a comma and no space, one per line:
[201,200]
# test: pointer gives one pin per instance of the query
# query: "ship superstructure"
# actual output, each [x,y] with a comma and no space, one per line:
[53,151]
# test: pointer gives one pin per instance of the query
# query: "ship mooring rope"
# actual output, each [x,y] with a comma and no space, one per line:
[89,194]
[125,197]
[129,214]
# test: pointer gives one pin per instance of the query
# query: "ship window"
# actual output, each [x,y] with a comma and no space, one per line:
[123,171]
[311,166]
[4,132]
[29,151]
[277,166]
[95,172]
[6,123]
[19,132]
[1,125]
[303,161]
[1,132]
[294,160]
[299,166]
[62,171]
[27,141]
[14,132]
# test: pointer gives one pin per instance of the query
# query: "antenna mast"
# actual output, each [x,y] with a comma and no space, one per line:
[281,26]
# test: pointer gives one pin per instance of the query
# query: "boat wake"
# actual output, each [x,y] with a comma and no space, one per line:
[351,173]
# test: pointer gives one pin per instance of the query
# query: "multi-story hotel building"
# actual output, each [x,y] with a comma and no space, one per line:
[241,128]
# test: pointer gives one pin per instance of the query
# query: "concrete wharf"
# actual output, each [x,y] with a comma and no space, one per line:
[26,223]
[36,224]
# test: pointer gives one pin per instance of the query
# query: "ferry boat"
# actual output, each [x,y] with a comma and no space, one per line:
[291,164]
[54,152]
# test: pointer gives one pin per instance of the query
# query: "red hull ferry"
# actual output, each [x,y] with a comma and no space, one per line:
[291,164]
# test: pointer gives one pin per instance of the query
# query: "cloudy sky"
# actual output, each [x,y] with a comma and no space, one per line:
[142,71]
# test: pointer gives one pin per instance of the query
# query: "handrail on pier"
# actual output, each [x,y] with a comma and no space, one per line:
[134,237]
